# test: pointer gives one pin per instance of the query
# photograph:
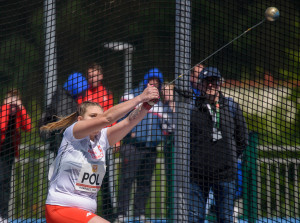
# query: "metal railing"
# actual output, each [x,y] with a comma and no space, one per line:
[278,183]
[28,188]
[277,187]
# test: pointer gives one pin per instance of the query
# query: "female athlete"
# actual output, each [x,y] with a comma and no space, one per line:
[77,172]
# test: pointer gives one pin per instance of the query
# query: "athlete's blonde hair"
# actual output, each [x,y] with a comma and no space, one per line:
[65,122]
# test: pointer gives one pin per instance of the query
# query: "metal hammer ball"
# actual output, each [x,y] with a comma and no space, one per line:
[272,14]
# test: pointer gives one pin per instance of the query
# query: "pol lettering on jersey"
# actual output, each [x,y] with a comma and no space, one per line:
[90,177]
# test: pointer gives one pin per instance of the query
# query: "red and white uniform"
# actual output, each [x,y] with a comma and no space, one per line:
[77,172]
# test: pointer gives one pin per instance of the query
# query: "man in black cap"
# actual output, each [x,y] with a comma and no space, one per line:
[218,137]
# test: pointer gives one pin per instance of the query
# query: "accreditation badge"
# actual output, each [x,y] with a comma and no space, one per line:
[90,177]
[217,135]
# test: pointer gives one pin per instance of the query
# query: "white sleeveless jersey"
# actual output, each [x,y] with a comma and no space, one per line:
[77,172]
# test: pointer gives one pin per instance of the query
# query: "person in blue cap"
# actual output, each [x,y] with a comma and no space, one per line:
[63,103]
[138,151]
[218,136]
[75,85]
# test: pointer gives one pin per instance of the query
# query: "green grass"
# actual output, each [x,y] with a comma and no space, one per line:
[31,188]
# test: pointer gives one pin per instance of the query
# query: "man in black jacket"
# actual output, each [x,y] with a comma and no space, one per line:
[218,137]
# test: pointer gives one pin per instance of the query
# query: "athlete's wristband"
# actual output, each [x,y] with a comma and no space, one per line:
[147,106]
[152,102]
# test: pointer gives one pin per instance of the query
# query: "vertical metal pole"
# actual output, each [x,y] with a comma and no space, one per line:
[250,171]
[128,51]
[253,192]
[182,146]
[50,66]
[50,50]
[128,69]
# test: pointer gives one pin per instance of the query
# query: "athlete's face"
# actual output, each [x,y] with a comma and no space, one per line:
[91,112]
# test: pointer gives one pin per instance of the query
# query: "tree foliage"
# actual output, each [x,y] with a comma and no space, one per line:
[83,26]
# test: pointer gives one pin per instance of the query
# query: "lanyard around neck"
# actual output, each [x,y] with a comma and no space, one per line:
[215,114]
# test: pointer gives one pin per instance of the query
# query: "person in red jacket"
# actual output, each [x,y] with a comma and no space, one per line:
[97,92]
[13,117]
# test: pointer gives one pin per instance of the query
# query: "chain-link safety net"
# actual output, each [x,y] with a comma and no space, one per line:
[220,145]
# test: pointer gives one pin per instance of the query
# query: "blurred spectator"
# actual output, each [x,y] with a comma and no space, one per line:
[168,96]
[193,92]
[13,117]
[194,79]
[138,152]
[218,137]
[169,108]
[63,103]
[97,92]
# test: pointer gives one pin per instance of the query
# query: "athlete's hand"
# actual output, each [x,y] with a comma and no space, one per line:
[151,93]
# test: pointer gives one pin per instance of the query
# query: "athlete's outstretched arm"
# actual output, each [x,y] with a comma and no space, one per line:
[87,127]
[121,129]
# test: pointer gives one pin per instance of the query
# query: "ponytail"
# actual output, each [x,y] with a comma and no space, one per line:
[61,124]
[65,122]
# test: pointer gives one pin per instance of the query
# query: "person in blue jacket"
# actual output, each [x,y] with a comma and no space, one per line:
[138,151]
